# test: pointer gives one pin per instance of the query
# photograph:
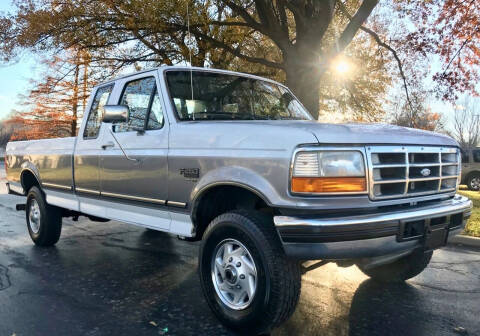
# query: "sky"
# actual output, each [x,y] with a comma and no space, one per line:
[14,77]
[14,80]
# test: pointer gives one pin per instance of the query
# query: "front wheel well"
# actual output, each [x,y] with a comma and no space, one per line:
[221,199]
[29,180]
[471,174]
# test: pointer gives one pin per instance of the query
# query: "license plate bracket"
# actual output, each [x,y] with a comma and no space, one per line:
[435,238]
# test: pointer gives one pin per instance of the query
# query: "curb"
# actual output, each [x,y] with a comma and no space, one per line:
[465,240]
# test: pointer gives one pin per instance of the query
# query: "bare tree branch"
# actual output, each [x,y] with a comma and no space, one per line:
[355,23]
[381,43]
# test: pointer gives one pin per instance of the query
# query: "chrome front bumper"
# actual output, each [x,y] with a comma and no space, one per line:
[374,234]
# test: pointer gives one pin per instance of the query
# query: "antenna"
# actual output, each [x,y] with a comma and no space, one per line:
[190,55]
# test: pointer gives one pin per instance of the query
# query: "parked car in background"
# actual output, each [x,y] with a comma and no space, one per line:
[471,168]
[236,161]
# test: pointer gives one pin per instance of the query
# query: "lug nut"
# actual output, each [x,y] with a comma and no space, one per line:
[242,276]
[238,287]
[239,264]
[230,259]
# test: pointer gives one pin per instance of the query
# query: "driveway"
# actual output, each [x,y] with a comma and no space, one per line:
[115,279]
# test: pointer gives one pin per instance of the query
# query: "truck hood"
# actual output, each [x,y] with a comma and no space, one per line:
[282,134]
[374,134]
[358,133]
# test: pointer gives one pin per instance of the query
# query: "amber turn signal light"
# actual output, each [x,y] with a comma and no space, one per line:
[328,184]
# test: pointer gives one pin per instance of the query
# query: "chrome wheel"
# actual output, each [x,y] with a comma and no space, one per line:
[234,274]
[475,183]
[34,216]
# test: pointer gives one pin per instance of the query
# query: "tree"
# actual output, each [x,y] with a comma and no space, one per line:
[466,124]
[417,114]
[6,131]
[293,37]
[54,104]
[451,30]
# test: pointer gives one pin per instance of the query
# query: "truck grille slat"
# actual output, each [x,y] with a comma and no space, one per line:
[406,171]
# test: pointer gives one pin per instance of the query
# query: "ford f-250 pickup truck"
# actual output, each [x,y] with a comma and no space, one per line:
[236,161]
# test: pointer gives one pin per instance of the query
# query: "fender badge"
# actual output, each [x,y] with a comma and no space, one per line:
[190,173]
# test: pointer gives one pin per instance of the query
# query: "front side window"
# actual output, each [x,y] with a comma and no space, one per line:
[95,117]
[142,99]
[476,155]
[217,96]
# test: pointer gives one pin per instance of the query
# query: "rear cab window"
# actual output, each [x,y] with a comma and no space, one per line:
[95,116]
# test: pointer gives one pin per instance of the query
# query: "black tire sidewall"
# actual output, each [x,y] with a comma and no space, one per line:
[402,269]
[35,194]
[50,219]
[251,315]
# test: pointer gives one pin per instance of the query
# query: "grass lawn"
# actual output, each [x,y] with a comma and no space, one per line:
[473,225]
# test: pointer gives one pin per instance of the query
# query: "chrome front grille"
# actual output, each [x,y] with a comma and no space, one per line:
[405,171]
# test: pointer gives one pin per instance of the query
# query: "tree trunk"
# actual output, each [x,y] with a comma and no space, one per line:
[73,130]
[303,78]
[85,81]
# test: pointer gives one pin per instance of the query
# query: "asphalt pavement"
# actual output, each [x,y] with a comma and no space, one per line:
[116,279]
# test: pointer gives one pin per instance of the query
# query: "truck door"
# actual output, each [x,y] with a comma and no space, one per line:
[88,147]
[138,177]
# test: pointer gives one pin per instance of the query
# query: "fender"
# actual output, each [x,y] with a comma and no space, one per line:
[29,166]
[235,176]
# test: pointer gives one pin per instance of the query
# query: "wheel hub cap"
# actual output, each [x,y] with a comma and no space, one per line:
[475,183]
[34,216]
[234,274]
[231,275]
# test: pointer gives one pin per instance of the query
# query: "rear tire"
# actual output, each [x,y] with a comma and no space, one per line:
[244,245]
[473,182]
[44,221]
[402,269]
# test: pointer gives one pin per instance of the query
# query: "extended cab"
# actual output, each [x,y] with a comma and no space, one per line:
[236,161]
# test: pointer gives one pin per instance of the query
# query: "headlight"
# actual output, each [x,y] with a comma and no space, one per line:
[328,172]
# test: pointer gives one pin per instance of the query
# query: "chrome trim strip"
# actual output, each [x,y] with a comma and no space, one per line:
[87,191]
[177,204]
[57,186]
[133,198]
[458,204]
[360,149]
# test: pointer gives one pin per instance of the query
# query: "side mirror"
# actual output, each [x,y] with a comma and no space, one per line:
[115,114]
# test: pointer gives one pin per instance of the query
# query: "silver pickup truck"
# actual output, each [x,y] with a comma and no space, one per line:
[236,161]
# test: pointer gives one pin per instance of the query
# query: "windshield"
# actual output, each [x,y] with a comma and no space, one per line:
[218,96]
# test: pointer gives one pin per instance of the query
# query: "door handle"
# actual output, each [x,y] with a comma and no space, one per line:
[108,145]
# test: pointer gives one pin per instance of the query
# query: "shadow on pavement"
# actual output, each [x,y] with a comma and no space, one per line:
[386,309]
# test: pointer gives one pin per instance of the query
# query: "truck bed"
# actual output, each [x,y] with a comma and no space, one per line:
[51,160]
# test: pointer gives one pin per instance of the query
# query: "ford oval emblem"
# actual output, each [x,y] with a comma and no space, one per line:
[425,172]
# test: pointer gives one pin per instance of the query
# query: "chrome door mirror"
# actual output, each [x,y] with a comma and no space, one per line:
[115,114]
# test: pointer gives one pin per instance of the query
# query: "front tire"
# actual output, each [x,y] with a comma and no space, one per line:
[247,280]
[44,221]
[473,182]
[402,269]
